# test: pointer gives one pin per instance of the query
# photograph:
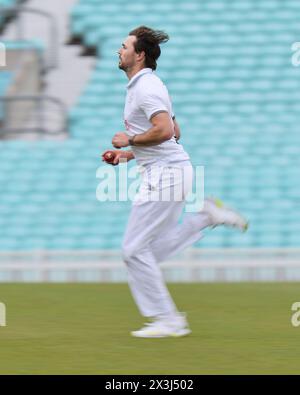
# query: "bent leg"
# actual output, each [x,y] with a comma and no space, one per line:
[180,236]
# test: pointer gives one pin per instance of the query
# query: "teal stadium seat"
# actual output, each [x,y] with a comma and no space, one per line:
[6,78]
[235,95]
[5,4]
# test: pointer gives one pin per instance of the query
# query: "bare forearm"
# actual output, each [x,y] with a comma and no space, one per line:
[153,136]
[162,130]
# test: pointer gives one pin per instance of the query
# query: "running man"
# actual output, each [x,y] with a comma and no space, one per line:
[153,231]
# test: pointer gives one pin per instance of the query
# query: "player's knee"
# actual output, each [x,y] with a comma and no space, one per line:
[128,253]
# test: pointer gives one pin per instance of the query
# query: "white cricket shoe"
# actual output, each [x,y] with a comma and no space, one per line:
[164,328]
[222,215]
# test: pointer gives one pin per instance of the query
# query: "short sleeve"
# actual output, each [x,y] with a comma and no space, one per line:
[152,103]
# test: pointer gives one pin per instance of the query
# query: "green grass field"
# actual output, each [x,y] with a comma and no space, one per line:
[84,329]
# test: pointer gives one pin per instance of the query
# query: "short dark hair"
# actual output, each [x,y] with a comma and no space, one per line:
[148,40]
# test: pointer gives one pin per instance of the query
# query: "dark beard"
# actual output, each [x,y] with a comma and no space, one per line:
[121,67]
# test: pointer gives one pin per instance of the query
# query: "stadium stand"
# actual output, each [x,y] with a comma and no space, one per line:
[5,80]
[236,96]
[6,19]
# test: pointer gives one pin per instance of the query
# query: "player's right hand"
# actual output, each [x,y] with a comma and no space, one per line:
[117,155]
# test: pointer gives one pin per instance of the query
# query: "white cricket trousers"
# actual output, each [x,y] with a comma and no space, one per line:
[154,233]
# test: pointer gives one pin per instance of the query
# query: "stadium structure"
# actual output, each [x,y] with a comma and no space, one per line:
[236,94]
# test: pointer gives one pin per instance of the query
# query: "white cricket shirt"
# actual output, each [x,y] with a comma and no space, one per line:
[147,96]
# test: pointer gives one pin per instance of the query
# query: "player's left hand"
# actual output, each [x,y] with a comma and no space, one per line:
[120,140]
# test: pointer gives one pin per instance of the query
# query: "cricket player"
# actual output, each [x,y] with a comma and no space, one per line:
[153,231]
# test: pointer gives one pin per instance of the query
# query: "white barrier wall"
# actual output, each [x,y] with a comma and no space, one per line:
[195,265]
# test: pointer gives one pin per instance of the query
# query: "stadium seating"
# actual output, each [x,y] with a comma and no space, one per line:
[236,96]
[7,3]
[5,80]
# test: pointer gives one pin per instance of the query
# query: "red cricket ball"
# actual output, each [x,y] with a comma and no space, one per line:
[109,156]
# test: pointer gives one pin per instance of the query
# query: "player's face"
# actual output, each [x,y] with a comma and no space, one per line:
[127,54]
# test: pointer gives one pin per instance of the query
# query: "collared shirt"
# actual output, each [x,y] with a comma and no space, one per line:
[146,97]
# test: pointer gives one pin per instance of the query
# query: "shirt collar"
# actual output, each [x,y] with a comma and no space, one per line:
[146,70]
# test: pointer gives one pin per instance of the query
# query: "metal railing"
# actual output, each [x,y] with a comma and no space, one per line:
[50,56]
[32,114]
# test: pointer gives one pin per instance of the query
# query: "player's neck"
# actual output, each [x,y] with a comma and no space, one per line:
[131,73]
